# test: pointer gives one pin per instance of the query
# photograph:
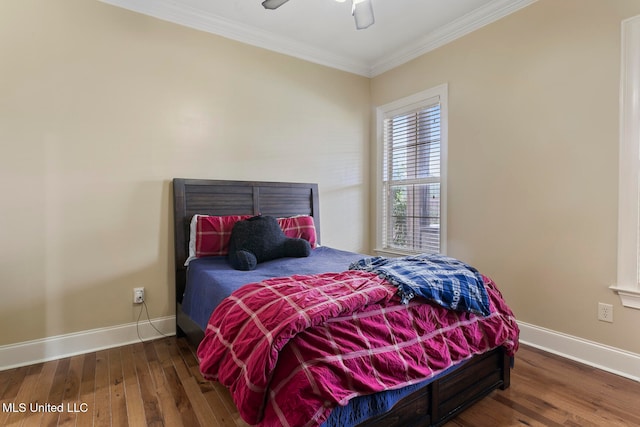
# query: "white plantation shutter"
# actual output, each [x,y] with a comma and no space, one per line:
[412,178]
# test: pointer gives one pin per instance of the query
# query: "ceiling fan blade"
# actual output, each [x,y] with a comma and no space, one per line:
[273,4]
[363,13]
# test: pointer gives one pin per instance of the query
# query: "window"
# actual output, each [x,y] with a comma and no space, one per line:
[629,179]
[412,141]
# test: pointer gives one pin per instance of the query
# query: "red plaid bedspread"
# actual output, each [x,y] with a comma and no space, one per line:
[290,349]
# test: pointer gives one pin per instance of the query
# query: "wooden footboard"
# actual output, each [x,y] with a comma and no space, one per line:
[446,397]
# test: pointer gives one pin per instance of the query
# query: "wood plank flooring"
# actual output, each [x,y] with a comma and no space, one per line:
[158,384]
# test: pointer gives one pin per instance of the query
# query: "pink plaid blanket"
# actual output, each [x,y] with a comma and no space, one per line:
[290,349]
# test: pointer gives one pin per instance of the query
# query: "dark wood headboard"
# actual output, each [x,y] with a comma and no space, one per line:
[219,197]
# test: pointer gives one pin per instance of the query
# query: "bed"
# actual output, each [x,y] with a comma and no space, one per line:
[431,401]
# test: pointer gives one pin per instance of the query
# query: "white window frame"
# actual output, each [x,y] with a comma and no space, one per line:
[415,101]
[628,286]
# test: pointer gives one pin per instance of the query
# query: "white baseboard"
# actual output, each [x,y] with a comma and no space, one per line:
[619,362]
[610,359]
[42,350]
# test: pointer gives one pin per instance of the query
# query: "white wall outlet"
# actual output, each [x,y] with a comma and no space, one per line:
[138,295]
[605,312]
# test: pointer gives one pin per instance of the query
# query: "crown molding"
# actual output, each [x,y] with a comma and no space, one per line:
[462,26]
[167,10]
[171,11]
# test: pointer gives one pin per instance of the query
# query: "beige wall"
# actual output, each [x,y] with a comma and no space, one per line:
[101,107]
[533,134]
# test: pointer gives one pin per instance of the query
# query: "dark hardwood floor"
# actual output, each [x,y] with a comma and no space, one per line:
[157,383]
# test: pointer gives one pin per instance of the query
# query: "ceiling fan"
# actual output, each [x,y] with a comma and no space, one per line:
[362,11]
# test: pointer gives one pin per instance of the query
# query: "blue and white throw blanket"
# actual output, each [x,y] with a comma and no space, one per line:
[444,280]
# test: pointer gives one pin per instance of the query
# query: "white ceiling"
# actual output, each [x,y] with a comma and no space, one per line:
[323,31]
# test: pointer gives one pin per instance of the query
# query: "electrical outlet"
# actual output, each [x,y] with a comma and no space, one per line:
[605,312]
[138,295]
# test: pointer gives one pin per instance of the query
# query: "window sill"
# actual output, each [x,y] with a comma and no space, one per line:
[629,297]
[393,253]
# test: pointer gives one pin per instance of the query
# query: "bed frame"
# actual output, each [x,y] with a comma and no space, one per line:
[432,405]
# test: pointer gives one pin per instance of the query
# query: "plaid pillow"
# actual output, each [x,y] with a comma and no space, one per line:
[300,227]
[210,234]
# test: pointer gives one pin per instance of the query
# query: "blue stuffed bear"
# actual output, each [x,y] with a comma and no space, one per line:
[260,239]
